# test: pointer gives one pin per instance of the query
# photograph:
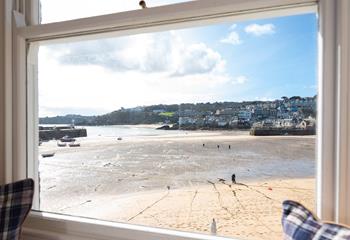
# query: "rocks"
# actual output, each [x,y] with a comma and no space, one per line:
[164,127]
[167,127]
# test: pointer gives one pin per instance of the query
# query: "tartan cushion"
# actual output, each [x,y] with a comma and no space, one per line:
[15,203]
[299,223]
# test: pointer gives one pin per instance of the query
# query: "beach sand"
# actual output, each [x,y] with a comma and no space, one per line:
[128,181]
[251,211]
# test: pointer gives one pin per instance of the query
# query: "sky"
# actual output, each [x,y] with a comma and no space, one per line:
[232,61]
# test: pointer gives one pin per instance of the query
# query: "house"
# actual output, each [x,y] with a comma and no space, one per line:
[158,110]
[186,120]
[244,115]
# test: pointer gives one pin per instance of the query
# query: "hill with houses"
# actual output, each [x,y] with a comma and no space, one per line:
[227,115]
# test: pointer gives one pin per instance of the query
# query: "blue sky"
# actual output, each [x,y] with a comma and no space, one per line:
[278,63]
[251,60]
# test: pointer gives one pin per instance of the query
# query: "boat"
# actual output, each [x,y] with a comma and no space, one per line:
[61,144]
[74,144]
[46,155]
[119,138]
[67,139]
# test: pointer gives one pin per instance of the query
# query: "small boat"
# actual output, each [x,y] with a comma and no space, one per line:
[74,144]
[61,144]
[119,138]
[46,155]
[67,139]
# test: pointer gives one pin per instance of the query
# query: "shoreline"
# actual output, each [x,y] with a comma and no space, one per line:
[160,127]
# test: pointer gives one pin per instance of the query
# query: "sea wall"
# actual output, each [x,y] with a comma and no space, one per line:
[56,133]
[282,131]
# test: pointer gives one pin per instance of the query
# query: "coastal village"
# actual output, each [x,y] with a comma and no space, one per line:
[295,115]
[287,112]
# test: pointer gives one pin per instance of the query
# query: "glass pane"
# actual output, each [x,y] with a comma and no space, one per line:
[62,10]
[174,129]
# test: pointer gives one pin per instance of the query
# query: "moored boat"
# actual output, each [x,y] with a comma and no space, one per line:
[74,144]
[46,155]
[61,144]
[67,139]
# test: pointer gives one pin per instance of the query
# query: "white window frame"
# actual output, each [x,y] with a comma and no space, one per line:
[333,152]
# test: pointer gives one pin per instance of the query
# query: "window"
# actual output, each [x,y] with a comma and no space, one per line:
[31,34]
[161,122]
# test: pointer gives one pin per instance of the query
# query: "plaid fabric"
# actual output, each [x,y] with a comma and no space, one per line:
[300,223]
[15,203]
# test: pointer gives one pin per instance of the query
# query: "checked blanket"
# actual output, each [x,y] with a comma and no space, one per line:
[299,223]
[15,203]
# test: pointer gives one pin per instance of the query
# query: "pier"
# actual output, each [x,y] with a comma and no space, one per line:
[51,133]
[275,131]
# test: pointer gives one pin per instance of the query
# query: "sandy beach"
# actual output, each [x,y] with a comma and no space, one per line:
[182,180]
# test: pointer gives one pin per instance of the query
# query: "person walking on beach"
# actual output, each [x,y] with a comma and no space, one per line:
[229,146]
[218,146]
[233,178]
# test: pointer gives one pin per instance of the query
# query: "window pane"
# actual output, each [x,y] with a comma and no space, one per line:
[69,9]
[174,129]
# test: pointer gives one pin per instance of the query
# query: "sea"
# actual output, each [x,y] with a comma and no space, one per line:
[131,131]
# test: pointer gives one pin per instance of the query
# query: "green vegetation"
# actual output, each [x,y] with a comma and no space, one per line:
[167,114]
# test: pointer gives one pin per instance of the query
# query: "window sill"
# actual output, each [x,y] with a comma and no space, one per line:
[40,225]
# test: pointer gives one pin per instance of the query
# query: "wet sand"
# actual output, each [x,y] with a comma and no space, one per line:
[128,180]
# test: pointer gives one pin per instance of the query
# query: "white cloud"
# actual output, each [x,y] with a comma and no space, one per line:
[198,58]
[240,80]
[151,53]
[233,38]
[101,76]
[259,30]
[95,90]
[233,26]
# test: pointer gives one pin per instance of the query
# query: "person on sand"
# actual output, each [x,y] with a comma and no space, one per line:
[229,146]
[143,4]
[233,178]
[218,146]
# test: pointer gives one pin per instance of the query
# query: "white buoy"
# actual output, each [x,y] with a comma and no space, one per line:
[213,227]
